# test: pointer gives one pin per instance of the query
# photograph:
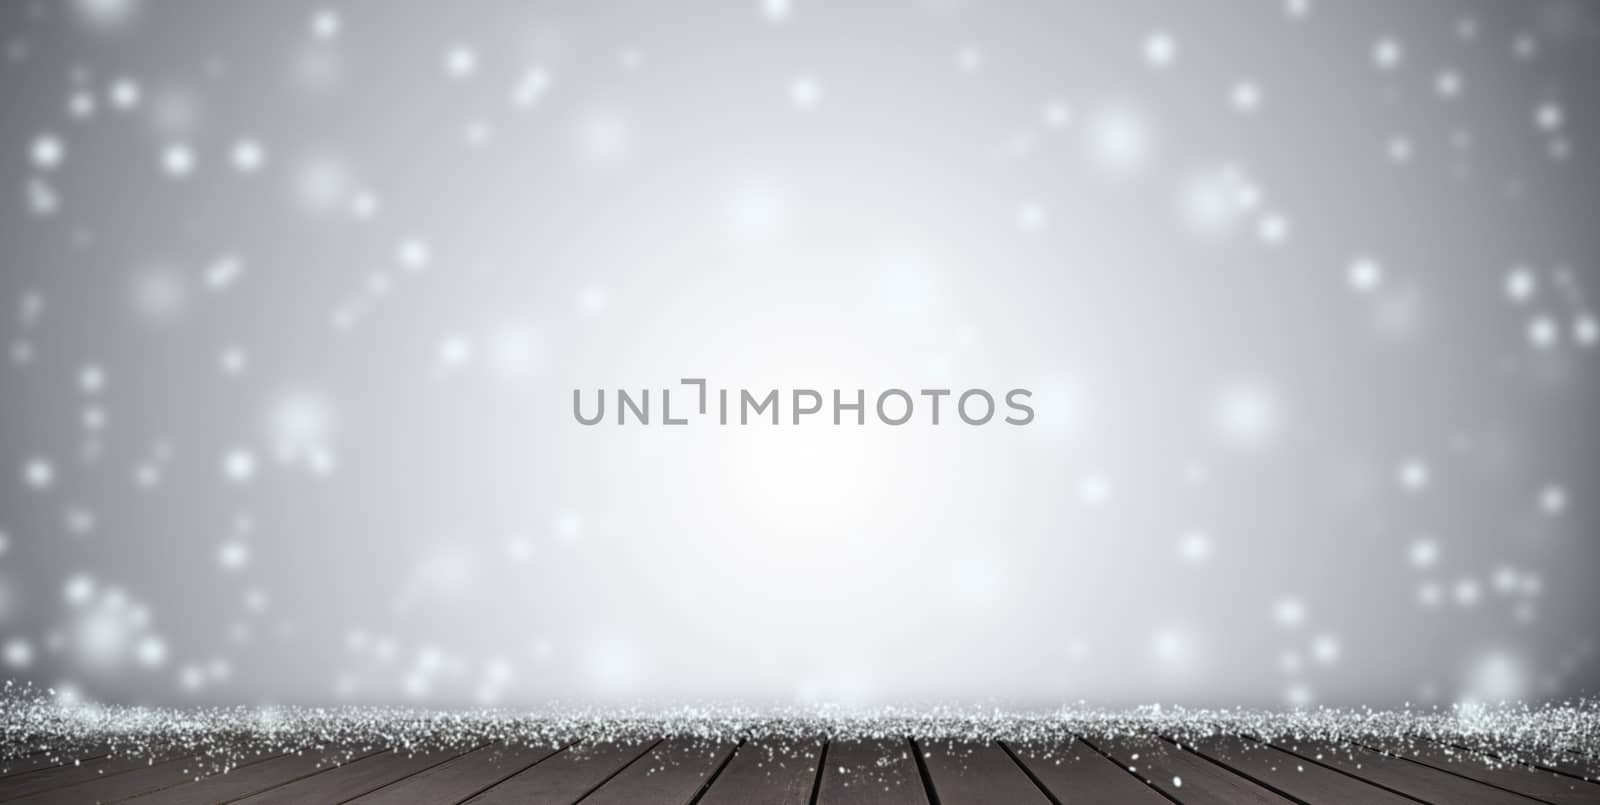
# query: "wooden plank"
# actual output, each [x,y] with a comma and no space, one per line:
[973,772]
[353,779]
[1076,774]
[243,781]
[1183,775]
[118,787]
[672,774]
[1397,774]
[1291,776]
[1565,763]
[1537,783]
[767,772]
[1568,765]
[71,773]
[568,776]
[875,772]
[461,778]
[46,758]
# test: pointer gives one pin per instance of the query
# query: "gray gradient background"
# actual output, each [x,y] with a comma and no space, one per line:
[975,195]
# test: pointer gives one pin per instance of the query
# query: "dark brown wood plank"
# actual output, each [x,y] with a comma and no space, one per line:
[767,772]
[568,776]
[118,787]
[1183,775]
[353,779]
[1568,765]
[879,772]
[1571,763]
[46,758]
[1076,774]
[241,782]
[1534,782]
[71,773]
[1565,763]
[463,777]
[1291,775]
[969,772]
[671,774]
[1411,779]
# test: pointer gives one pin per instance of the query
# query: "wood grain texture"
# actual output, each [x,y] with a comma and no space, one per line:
[1565,763]
[968,773]
[1074,773]
[241,782]
[1290,775]
[119,787]
[462,777]
[1411,779]
[879,772]
[672,774]
[1184,775]
[45,758]
[568,776]
[352,779]
[767,772]
[882,771]
[71,773]
[1537,783]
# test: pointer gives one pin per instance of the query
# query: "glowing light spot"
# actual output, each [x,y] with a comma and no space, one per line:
[178,161]
[1289,613]
[38,473]
[1387,54]
[1245,96]
[460,62]
[1247,415]
[1424,553]
[1194,547]
[1520,284]
[239,465]
[1553,500]
[1543,332]
[1364,274]
[1117,140]
[1160,49]
[1413,475]
[805,92]
[248,156]
[1549,116]
[47,152]
[325,24]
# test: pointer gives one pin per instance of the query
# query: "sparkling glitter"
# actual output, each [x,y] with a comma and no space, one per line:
[37,718]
